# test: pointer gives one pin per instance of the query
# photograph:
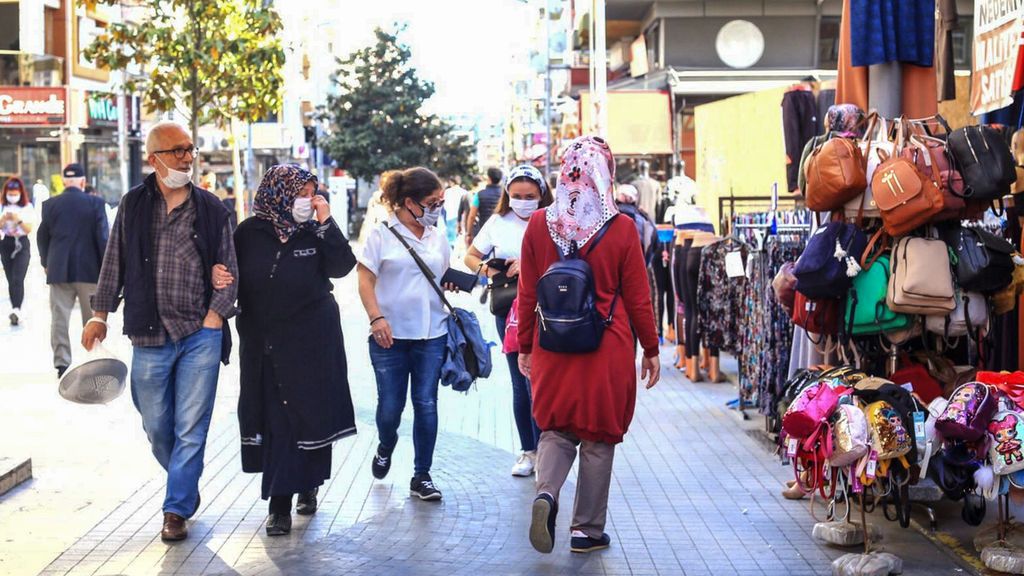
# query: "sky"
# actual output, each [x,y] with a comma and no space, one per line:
[465,47]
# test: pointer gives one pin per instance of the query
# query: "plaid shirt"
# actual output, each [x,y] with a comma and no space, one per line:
[180,284]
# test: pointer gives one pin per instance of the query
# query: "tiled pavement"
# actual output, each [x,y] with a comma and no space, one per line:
[692,494]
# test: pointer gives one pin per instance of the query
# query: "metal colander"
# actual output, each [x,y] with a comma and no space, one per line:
[99,379]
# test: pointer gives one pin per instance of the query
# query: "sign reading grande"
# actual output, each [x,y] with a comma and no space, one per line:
[997,34]
[21,105]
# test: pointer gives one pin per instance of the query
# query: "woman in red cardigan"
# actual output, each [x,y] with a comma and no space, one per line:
[584,401]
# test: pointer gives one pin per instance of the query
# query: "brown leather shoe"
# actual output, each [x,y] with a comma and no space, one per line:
[175,528]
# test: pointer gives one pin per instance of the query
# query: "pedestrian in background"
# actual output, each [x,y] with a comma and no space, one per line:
[229,203]
[72,237]
[17,217]
[167,237]
[408,321]
[501,238]
[294,401]
[584,401]
[482,204]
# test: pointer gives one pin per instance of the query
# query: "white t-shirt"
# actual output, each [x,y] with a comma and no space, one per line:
[504,234]
[26,213]
[412,307]
[452,198]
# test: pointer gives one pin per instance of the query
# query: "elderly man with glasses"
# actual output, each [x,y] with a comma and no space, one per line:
[168,238]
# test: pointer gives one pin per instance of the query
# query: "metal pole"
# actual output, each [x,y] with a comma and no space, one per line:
[599,58]
[548,141]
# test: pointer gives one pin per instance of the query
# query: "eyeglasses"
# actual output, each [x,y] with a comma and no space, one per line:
[179,153]
[435,206]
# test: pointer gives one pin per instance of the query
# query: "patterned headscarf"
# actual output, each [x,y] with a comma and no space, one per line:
[583,198]
[847,120]
[275,196]
[528,172]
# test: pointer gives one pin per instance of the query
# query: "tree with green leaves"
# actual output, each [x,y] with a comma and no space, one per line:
[213,61]
[454,156]
[377,119]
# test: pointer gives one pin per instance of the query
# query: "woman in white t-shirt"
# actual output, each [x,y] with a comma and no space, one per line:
[17,217]
[501,237]
[408,322]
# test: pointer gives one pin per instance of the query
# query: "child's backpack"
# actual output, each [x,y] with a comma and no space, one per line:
[851,439]
[1006,433]
[969,411]
[890,440]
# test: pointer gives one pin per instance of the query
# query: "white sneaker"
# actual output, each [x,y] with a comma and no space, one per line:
[525,464]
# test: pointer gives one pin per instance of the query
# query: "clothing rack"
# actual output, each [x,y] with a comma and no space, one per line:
[729,206]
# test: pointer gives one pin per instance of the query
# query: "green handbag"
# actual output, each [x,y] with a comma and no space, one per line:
[866,310]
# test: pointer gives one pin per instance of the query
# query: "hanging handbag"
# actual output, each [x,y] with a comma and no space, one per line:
[983,158]
[866,309]
[969,411]
[835,174]
[969,316]
[503,291]
[1006,433]
[876,137]
[920,281]
[984,260]
[906,198]
[828,264]
[1006,299]
[819,317]
[851,437]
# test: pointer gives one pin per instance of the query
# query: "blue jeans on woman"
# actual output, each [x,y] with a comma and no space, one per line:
[409,361]
[173,388]
[522,397]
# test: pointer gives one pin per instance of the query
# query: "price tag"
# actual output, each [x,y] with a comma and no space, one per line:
[734,267]
[855,484]
[872,464]
[791,447]
[919,428]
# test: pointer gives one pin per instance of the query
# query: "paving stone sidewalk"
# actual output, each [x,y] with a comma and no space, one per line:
[692,493]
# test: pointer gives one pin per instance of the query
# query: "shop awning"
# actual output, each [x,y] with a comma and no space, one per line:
[639,122]
[731,82]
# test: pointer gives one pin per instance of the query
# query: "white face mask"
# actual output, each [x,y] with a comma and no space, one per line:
[175,178]
[302,210]
[13,198]
[523,208]
[429,217]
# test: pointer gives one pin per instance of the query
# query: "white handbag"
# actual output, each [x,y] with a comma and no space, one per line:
[970,314]
[875,138]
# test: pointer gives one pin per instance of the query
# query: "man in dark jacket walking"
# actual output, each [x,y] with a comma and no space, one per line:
[167,238]
[72,237]
[483,204]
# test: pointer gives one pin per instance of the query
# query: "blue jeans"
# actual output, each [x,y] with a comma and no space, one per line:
[522,397]
[418,362]
[173,388]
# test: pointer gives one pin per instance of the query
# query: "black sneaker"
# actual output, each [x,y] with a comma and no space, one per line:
[584,544]
[279,524]
[14,318]
[381,463]
[306,504]
[542,526]
[423,488]
[60,371]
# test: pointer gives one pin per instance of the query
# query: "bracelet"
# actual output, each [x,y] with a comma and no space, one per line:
[375,320]
[94,319]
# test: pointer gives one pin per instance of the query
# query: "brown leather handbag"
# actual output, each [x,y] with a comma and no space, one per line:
[835,174]
[907,198]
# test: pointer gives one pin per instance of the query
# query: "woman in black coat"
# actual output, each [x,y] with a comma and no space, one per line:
[294,401]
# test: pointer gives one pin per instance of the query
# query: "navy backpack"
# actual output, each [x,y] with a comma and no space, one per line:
[567,312]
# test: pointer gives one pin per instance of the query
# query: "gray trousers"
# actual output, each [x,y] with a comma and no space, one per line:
[555,455]
[62,301]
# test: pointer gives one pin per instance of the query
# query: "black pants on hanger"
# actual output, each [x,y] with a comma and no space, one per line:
[664,297]
[691,282]
[678,283]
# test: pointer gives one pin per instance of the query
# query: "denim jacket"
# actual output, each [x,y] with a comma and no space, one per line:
[463,331]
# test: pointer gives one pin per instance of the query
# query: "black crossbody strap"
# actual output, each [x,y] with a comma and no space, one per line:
[423,268]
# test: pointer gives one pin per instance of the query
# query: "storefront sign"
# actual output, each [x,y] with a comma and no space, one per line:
[997,34]
[102,109]
[25,105]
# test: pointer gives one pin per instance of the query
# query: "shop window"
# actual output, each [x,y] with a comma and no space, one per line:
[9,30]
[8,161]
[828,43]
[652,37]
